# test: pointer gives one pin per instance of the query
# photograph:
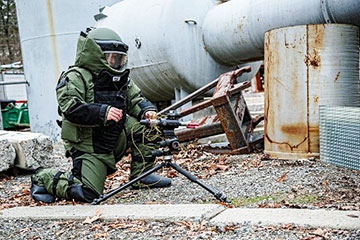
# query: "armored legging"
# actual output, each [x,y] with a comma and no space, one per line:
[90,170]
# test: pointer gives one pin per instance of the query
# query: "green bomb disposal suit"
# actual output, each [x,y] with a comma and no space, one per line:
[85,93]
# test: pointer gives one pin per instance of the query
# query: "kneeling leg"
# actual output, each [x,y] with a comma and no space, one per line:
[84,183]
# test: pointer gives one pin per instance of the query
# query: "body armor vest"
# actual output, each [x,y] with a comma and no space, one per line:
[109,89]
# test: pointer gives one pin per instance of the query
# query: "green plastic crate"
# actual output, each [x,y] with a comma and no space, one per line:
[15,117]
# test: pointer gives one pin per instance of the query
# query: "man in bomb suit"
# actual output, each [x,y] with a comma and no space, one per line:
[100,108]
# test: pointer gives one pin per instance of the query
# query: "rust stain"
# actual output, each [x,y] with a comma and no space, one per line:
[337,77]
[314,130]
[315,42]
[292,147]
[289,44]
[267,41]
[53,37]
[204,45]
[285,42]
[313,60]
[227,80]
[316,99]
[237,106]
[298,129]
[319,35]
[241,23]
[267,65]
[295,83]
[307,87]
[314,139]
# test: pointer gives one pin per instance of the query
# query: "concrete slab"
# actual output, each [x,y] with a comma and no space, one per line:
[7,155]
[302,217]
[172,212]
[32,149]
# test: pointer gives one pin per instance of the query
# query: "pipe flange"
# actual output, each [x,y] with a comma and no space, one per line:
[326,12]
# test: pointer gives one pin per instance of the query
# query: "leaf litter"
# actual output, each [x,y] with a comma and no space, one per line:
[338,191]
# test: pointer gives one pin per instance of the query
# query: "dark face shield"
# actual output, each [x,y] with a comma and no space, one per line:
[116,60]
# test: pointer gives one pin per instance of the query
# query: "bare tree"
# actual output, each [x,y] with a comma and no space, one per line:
[9,36]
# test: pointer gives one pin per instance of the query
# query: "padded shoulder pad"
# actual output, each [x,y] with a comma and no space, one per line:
[85,74]
[62,82]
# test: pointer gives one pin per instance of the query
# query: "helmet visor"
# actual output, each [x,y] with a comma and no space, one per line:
[116,60]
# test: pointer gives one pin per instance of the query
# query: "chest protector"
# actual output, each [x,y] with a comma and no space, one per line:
[111,90]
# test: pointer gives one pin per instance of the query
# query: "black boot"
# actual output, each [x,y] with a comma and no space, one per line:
[40,194]
[81,193]
[152,181]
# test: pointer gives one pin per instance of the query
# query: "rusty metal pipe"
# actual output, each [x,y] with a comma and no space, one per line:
[236,89]
[204,89]
[195,108]
[190,97]
[200,132]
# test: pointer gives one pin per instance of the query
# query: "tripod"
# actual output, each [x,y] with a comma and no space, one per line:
[172,145]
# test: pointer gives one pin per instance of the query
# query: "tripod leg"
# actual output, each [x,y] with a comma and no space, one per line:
[218,195]
[128,184]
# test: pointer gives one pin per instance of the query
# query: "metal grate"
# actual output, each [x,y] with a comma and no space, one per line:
[340,136]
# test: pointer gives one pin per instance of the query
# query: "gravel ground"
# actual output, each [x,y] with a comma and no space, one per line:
[271,183]
[247,180]
[138,229]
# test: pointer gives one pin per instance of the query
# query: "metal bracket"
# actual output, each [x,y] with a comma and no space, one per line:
[137,43]
[188,21]
[99,16]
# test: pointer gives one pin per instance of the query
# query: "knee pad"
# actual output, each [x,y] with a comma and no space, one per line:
[81,193]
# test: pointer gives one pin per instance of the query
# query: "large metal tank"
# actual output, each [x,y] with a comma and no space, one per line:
[184,44]
[166,49]
[48,34]
[307,66]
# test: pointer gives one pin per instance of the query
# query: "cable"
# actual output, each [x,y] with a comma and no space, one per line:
[148,135]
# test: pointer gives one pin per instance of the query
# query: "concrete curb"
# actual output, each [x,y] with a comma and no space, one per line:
[216,214]
[319,218]
[170,212]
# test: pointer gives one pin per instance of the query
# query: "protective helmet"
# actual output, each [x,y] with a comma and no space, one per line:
[114,49]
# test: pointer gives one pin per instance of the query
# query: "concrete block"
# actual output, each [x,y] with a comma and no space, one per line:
[32,149]
[7,155]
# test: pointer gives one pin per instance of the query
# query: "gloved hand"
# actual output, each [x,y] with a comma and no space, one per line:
[150,115]
[114,114]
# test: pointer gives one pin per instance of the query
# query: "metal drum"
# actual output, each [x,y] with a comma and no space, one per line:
[307,66]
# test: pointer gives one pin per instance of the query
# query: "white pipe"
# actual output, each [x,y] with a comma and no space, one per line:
[234,31]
